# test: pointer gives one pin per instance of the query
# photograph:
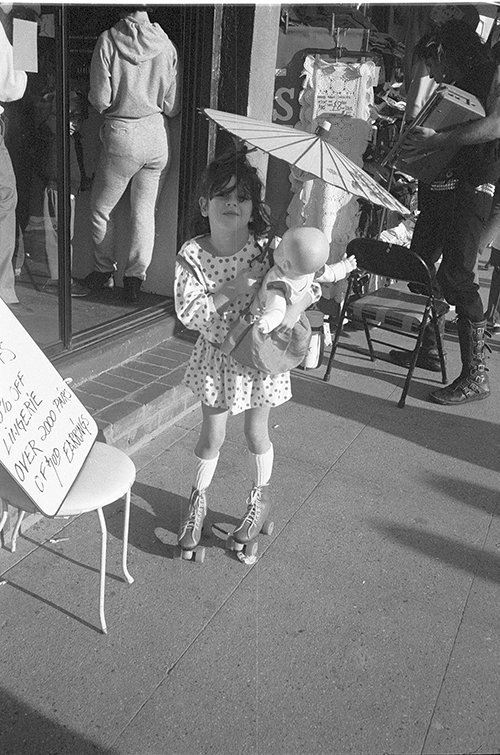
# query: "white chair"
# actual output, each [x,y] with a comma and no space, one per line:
[107,475]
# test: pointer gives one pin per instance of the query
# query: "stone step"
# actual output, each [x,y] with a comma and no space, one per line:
[134,401]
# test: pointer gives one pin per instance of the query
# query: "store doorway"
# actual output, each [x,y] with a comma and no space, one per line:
[38,281]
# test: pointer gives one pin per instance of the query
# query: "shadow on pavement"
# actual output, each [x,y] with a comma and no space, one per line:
[26,731]
[446,432]
[468,558]
[162,510]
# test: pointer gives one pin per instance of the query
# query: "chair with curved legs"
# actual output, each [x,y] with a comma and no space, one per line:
[106,476]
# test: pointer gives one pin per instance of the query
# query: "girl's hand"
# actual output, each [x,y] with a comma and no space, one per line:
[244,283]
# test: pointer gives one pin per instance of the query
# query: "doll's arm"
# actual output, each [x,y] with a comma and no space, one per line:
[338,271]
[274,311]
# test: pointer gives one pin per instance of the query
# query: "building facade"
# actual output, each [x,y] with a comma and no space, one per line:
[226,59]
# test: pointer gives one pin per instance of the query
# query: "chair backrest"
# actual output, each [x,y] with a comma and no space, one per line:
[389,261]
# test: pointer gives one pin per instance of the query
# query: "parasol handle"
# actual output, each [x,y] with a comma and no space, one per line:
[322,128]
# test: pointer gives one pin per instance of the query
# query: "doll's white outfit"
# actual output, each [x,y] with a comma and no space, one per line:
[293,291]
[216,378]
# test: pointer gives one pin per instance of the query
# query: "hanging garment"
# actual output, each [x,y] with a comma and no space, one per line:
[341,94]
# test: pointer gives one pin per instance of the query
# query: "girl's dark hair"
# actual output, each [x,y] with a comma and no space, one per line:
[457,41]
[215,179]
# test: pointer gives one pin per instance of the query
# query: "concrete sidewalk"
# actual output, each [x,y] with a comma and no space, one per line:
[369,624]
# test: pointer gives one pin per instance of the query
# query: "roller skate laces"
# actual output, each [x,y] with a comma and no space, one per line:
[257,508]
[191,528]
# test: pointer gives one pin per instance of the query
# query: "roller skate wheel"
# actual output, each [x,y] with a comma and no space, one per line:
[199,555]
[186,555]
[250,549]
[230,543]
[268,527]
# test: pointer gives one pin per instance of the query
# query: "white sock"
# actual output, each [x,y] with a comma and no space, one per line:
[204,472]
[261,466]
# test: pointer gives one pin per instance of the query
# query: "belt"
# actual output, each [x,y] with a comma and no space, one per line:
[447,185]
[452,183]
[486,189]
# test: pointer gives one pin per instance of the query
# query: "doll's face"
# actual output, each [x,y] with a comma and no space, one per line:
[301,251]
[289,258]
[281,259]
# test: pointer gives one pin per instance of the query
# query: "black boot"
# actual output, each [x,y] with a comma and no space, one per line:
[472,384]
[428,358]
[131,288]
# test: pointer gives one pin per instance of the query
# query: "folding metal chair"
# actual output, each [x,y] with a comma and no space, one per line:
[389,308]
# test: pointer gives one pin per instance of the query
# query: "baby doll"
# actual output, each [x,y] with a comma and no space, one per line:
[299,267]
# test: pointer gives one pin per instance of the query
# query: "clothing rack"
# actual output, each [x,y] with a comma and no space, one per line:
[337,53]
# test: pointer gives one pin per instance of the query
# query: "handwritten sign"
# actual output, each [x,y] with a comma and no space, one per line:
[45,431]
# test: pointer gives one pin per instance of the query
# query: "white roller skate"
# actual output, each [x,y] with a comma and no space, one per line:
[243,539]
[192,528]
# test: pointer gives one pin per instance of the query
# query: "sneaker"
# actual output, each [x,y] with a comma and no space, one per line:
[78,289]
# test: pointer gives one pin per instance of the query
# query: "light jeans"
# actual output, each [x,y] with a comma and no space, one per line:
[8,202]
[135,153]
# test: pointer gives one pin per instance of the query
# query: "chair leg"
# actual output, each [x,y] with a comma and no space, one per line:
[413,361]
[369,340]
[4,515]
[17,529]
[126,520]
[338,331]
[102,585]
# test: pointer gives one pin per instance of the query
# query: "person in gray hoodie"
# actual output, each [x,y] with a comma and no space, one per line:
[134,82]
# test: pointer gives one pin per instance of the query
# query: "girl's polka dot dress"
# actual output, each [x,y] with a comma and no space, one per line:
[215,378]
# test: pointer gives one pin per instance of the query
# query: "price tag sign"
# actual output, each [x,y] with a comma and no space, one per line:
[45,431]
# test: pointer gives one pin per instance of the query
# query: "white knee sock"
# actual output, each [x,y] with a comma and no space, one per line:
[204,472]
[261,466]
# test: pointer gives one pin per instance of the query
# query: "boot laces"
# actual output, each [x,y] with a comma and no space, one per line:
[254,506]
[197,510]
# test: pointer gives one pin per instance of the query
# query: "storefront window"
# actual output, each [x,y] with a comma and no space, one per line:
[31,137]
[53,261]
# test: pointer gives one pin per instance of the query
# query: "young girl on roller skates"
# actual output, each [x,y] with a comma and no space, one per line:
[217,275]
